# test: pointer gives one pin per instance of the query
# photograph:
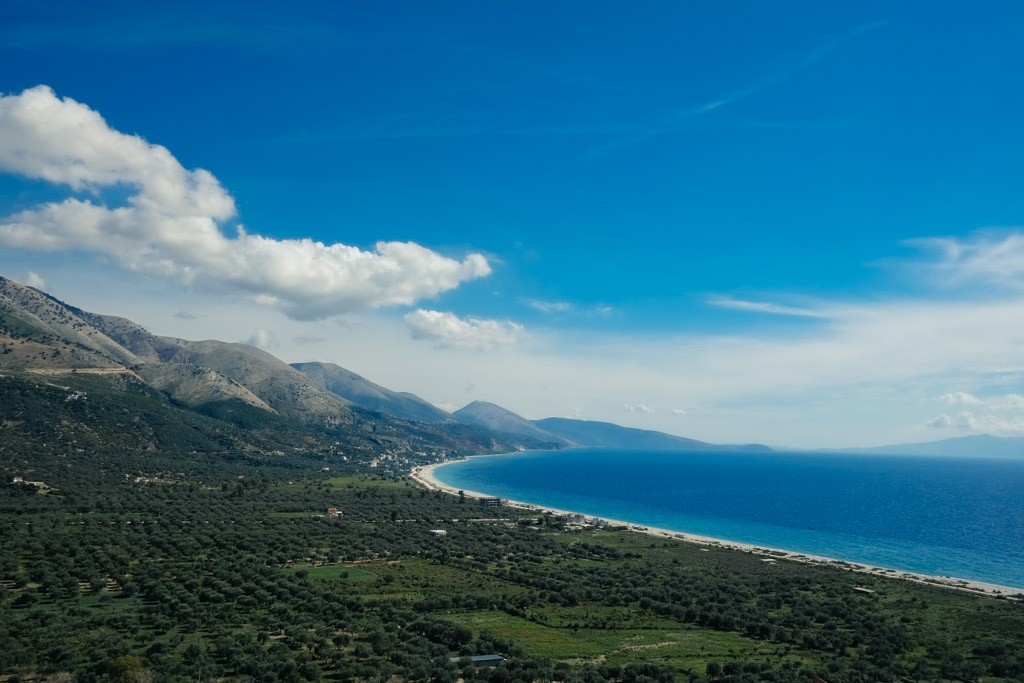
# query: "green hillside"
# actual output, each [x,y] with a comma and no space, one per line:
[143,541]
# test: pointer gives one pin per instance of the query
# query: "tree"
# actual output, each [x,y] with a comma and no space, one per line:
[128,669]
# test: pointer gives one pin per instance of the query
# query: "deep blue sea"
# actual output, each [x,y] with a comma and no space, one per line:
[945,516]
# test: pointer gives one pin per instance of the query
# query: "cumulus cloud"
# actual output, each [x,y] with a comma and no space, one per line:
[983,422]
[965,421]
[447,330]
[994,415]
[262,338]
[171,223]
[638,408]
[940,422]
[678,411]
[35,280]
[960,397]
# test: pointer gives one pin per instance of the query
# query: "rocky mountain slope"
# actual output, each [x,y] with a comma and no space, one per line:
[47,345]
[40,335]
[351,387]
[498,419]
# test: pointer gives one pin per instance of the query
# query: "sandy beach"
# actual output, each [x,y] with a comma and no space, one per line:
[424,475]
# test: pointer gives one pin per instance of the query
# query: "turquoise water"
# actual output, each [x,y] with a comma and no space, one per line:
[945,516]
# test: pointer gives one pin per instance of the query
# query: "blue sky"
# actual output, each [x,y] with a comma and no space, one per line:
[794,223]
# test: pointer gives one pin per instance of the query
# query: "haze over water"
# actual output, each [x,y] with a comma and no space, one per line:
[944,516]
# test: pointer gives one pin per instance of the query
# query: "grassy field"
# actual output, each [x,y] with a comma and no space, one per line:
[588,632]
[681,647]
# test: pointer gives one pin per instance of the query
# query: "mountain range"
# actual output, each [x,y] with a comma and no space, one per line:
[975,445]
[41,335]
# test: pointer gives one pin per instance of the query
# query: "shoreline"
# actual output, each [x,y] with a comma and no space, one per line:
[424,475]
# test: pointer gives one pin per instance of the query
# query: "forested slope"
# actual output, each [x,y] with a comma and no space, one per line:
[211,555]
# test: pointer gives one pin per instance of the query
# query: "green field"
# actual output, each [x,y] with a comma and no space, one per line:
[681,648]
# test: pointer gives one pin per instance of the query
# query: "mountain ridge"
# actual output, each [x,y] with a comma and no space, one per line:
[52,334]
[494,417]
[594,434]
[972,445]
[354,388]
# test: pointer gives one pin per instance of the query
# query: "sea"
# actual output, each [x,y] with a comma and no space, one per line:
[944,516]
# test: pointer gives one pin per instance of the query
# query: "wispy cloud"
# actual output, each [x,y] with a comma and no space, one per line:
[550,306]
[639,408]
[569,307]
[447,330]
[765,307]
[960,397]
[171,225]
[989,258]
[672,122]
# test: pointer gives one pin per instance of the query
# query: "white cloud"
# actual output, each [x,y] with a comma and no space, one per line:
[549,306]
[965,421]
[35,280]
[959,397]
[985,423]
[638,408]
[262,338]
[997,415]
[449,331]
[986,257]
[940,422]
[170,226]
[1007,402]
[764,307]
[678,411]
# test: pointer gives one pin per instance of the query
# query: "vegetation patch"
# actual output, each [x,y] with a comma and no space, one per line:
[337,572]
